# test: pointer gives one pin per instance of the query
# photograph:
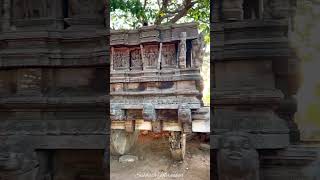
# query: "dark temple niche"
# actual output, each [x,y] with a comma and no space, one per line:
[135,59]
[7,85]
[70,165]
[120,58]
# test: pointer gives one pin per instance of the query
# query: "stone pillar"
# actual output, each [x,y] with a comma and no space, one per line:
[252,89]
[183,51]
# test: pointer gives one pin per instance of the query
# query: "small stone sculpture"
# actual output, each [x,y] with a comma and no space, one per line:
[237,158]
[184,113]
[149,112]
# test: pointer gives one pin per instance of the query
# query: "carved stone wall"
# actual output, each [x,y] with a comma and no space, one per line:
[253,89]
[53,90]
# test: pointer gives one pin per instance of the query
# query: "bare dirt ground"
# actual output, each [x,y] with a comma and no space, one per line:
[155,161]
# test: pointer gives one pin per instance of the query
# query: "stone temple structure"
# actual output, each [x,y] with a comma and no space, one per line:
[53,87]
[253,134]
[155,85]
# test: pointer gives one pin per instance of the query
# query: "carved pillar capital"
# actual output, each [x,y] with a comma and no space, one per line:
[184,113]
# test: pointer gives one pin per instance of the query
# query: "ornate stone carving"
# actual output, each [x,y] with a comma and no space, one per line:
[168,56]
[237,158]
[252,9]
[3,83]
[135,59]
[232,10]
[184,113]
[151,54]
[116,113]
[149,112]
[29,81]
[120,58]
[276,9]
[183,51]
[168,100]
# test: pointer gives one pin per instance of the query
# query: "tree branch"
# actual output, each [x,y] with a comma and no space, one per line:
[145,4]
[188,5]
[164,8]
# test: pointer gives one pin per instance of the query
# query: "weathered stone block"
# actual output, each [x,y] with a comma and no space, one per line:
[244,74]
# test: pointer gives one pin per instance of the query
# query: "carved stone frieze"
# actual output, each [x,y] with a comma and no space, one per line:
[151,55]
[163,101]
[135,59]
[121,58]
[168,56]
